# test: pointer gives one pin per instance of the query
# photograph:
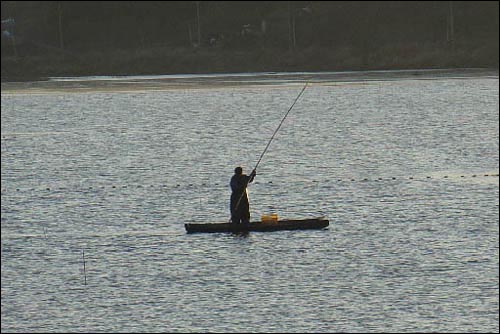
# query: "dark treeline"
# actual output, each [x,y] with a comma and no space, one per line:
[204,36]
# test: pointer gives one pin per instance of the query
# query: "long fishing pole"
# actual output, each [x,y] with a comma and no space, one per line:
[269,144]
[279,126]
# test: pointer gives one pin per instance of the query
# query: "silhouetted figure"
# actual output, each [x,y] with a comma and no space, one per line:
[240,208]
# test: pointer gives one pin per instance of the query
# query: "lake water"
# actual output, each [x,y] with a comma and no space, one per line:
[403,164]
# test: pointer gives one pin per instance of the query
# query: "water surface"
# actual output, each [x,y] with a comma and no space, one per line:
[404,164]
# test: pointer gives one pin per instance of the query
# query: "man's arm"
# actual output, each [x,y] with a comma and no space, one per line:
[252,176]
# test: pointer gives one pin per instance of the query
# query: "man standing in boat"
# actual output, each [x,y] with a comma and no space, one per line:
[240,207]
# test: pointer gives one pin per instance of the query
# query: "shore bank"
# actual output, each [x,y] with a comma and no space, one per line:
[161,61]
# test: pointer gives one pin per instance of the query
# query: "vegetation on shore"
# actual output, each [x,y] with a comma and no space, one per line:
[63,38]
[182,60]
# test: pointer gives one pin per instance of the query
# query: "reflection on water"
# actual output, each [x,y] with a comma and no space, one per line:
[404,165]
[196,81]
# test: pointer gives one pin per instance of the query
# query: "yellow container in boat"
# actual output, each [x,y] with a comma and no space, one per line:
[272,218]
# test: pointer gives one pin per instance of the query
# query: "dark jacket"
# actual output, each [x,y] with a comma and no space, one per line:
[240,212]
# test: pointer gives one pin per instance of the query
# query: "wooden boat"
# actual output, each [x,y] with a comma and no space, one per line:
[280,225]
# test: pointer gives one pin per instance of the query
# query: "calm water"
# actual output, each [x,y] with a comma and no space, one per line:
[404,164]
